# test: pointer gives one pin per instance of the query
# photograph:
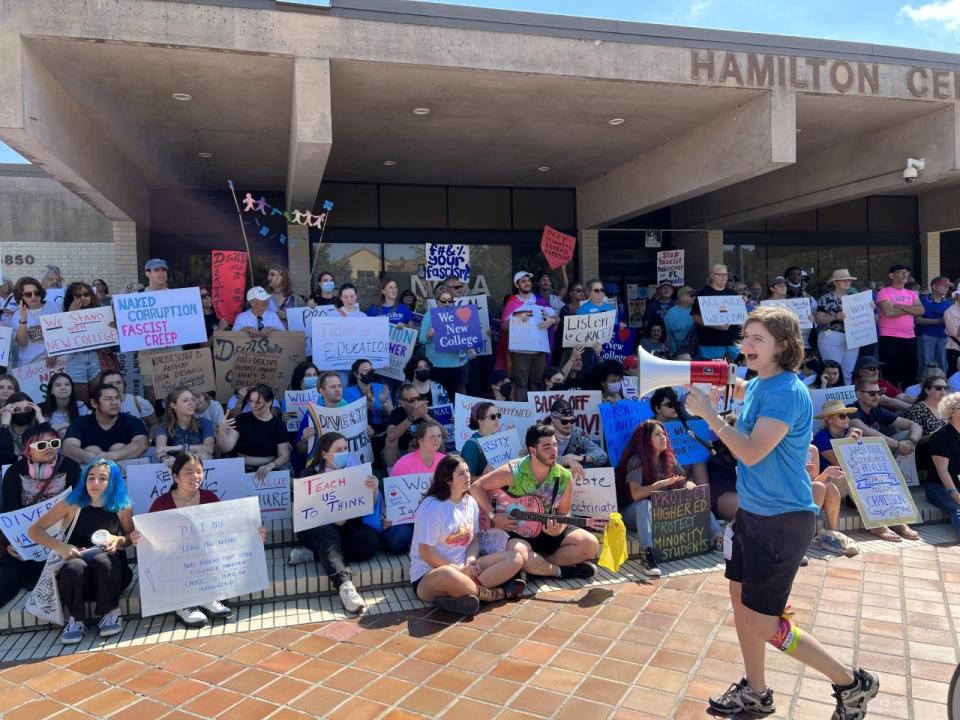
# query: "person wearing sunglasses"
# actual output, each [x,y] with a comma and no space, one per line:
[210,318]
[39,474]
[484,421]
[925,412]
[449,368]
[576,450]
[83,367]
[28,337]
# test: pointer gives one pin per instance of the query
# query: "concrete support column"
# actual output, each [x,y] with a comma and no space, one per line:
[298,258]
[714,247]
[126,264]
[929,257]
[588,245]
[311,131]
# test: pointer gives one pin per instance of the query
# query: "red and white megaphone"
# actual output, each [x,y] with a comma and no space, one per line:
[654,373]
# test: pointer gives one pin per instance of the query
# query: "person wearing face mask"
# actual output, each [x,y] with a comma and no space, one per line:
[576,450]
[419,373]
[326,293]
[338,544]
[39,474]
[304,377]
[608,379]
[16,416]
[379,404]
[501,386]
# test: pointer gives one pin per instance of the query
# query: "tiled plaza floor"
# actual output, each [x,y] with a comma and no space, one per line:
[630,650]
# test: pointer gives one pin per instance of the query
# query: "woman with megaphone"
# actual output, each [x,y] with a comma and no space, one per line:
[776,520]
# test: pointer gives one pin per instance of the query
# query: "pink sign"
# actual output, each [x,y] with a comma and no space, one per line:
[557,247]
[229,283]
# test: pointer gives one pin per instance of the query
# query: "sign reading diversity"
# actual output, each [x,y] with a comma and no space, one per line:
[350,421]
[670,267]
[860,323]
[331,497]
[500,447]
[719,310]
[446,260]
[585,405]
[285,347]
[456,329]
[229,275]
[596,328]
[150,320]
[876,484]
[595,494]
[78,330]
[15,524]
[681,523]
[192,369]
[557,247]
[339,341]
[402,494]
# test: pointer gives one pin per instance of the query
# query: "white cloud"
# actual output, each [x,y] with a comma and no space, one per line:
[697,9]
[944,12]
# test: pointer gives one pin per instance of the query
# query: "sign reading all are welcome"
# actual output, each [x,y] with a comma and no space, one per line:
[150,320]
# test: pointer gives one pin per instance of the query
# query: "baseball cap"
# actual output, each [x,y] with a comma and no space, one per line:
[155,263]
[866,361]
[517,277]
[942,279]
[779,280]
[898,266]
[257,293]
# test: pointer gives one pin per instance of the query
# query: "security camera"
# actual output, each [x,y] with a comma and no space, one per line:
[913,169]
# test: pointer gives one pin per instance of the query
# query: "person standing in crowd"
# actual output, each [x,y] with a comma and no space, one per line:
[654,339]
[777,517]
[52,281]
[449,368]
[829,375]
[210,319]
[27,334]
[796,281]
[741,289]
[951,321]
[681,335]
[526,366]
[943,470]
[661,302]
[181,430]
[326,292]
[259,436]
[832,338]
[348,304]
[388,304]
[897,336]
[103,292]
[259,320]
[108,433]
[281,292]
[61,405]
[83,366]
[409,298]
[931,329]
[545,288]
[777,289]
[156,270]
[716,341]
[575,449]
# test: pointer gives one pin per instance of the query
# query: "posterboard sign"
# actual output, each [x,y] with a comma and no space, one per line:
[722,310]
[403,342]
[622,345]
[331,497]
[653,238]
[33,378]
[350,421]
[595,494]
[340,341]
[619,420]
[152,320]
[681,523]
[301,319]
[402,495]
[226,478]
[525,332]
[629,388]
[297,401]
[15,524]
[596,328]
[130,369]
[798,306]
[516,416]
[456,329]
[860,323]
[6,337]
[483,312]
[557,247]
[846,393]
[585,404]
[876,483]
[686,448]
[670,267]
[443,414]
[192,369]
[908,468]
[500,447]
[287,347]
[229,274]
[273,494]
[198,554]
[635,312]
[77,330]
[446,260]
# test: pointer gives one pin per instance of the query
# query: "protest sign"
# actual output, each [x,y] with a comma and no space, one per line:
[229,275]
[301,318]
[287,347]
[33,378]
[635,312]
[443,414]
[860,323]
[6,337]
[446,260]
[818,397]
[525,332]
[253,368]
[908,468]
[722,310]
[456,329]
[130,369]
[331,497]
[629,388]
[77,330]
[349,420]
[273,494]
[403,342]
[622,345]
[595,494]
[198,554]
[681,523]
[500,447]
[402,494]
[226,478]
[15,524]
[297,401]
[516,416]
[798,306]
[339,341]
[192,369]
[876,484]
[670,267]
[151,320]
[585,404]
[619,420]
[652,238]
[686,448]
[557,247]
[587,329]
[483,312]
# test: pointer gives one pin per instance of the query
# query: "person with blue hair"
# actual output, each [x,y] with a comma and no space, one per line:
[99,516]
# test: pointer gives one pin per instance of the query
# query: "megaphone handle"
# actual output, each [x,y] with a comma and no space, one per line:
[731,386]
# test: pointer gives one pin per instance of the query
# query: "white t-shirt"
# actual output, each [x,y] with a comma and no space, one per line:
[137,406]
[447,526]
[214,413]
[35,348]
[247,319]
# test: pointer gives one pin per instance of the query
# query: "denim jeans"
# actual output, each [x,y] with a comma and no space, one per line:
[931,348]
[396,539]
[938,495]
[636,516]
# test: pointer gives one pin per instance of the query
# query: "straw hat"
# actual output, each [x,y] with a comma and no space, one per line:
[835,407]
[843,274]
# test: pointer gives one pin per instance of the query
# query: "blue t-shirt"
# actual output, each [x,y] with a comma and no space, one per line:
[398,313]
[376,415]
[589,308]
[779,482]
[933,311]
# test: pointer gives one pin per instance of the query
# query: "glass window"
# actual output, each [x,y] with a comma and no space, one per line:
[855,258]
[883,256]
[357,263]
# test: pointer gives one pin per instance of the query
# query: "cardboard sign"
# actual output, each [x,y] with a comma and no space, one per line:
[15,524]
[226,478]
[722,310]
[229,274]
[301,319]
[846,393]
[349,420]
[595,495]
[286,347]
[192,369]
[585,404]
[876,484]
[525,332]
[273,494]
[402,495]
[331,497]
[670,267]
[403,343]
[798,306]
[456,329]
[681,523]
[78,330]
[33,378]
[151,320]
[587,329]
[516,416]
[339,341]
[620,419]
[6,338]
[446,260]
[688,450]
[500,447]
[194,555]
[297,401]
[557,247]
[252,368]
[860,323]
[622,345]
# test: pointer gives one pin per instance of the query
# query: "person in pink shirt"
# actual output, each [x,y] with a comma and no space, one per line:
[897,338]
[425,455]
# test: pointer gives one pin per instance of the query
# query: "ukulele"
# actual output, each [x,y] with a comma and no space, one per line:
[527,510]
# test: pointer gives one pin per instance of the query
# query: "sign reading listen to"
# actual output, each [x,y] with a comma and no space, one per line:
[876,484]
[340,341]
[229,272]
[681,523]
[446,260]
[150,320]
[557,247]
[596,328]
[402,494]
[77,330]
[456,329]
[331,497]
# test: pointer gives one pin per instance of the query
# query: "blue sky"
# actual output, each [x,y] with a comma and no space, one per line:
[926,24]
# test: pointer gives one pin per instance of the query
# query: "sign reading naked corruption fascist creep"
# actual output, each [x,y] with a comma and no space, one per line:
[151,320]
[286,347]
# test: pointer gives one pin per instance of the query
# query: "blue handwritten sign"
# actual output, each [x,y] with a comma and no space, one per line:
[456,329]
[620,419]
[446,260]
[686,448]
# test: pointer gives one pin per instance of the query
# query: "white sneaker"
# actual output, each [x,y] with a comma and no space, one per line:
[111,623]
[191,617]
[299,555]
[216,609]
[352,602]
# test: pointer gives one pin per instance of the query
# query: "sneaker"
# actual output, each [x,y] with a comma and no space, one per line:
[191,617]
[73,632]
[580,570]
[111,623]
[216,610]
[352,602]
[515,587]
[648,563]
[490,595]
[837,543]
[466,605]
[299,555]
[852,700]
[804,561]
[740,697]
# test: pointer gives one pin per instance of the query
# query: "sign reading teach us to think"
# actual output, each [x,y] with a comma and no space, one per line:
[150,320]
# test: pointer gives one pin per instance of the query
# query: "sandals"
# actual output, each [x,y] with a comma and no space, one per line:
[905,531]
[885,533]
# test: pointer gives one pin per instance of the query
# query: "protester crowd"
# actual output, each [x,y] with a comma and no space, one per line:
[463,551]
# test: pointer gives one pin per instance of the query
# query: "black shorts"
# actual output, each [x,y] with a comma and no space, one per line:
[767,550]
[544,544]
[417,582]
